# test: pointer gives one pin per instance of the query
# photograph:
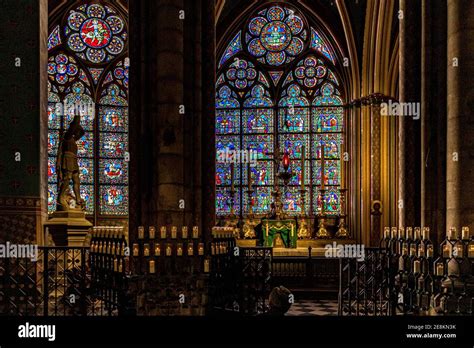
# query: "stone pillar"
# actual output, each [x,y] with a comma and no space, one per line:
[376,207]
[165,112]
[209,115]
[433,117]
[409,129]
[23,120]
[460,125]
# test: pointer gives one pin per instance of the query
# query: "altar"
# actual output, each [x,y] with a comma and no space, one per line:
[285,229]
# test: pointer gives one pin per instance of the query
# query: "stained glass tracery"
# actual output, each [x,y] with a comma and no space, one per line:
[88,74]
[301,108]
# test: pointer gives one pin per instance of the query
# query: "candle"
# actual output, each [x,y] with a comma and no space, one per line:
[394,232]
[184,232]
[401,232]
[115,265]
[163,232]
[465,233]
[201,249]
[452,233]
[386,232]
[426,233]
[136,249]
[439,269]
[191,249]
[470,252]
[168,250]
[152,266]
[141,232]
[157,250]
[446,251]
[412,249]
[417,233]
[195,232]
[206,266]
[179,250]
[459,251]
[146,250]
[151,232]
[430,251]
[421,250]
[401,264]
[416,266]
[174,232]
[409,232]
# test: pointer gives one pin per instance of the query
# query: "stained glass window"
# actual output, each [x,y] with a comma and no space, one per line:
[277,86]
[88,75]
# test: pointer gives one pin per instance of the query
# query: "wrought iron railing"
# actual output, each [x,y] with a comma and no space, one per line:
[57,283]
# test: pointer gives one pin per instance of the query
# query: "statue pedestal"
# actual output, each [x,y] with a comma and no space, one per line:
[68,228]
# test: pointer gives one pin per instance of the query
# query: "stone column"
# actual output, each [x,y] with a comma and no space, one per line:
[376,208]
[433,117]
[209,114]
[165,112]
[409,129]
[460,125]
[23,120]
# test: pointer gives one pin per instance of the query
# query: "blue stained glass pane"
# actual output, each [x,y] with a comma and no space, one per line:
[295,167]
[87,194]
[332,145]
[331,201]
[85,146]
[113,119]
[86,170]
[257,120]
[292,201]
[260,200]
[54,119]
[331,172]
[226,99]
[225,145]
[223,174]
[52,173]
[258,98]
[234,47]
[223,201]
[320,45]
[263,144]
[113,171]
[261,173]
[113,144]
[293,120]
[328,119]
[293,144]
[52,197]
[227,121]
[53,142]
[114,200]
[327,96]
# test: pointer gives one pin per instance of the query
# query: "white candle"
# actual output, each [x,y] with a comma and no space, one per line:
[465,233]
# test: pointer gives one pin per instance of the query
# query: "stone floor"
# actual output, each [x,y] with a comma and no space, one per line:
[313,308]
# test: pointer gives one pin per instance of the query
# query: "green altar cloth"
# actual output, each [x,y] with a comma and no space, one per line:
[286,229]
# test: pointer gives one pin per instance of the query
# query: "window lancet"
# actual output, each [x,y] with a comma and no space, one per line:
[300,110]
[88,74]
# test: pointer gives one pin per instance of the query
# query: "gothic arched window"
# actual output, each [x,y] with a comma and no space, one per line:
[277,87]
[88,74]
